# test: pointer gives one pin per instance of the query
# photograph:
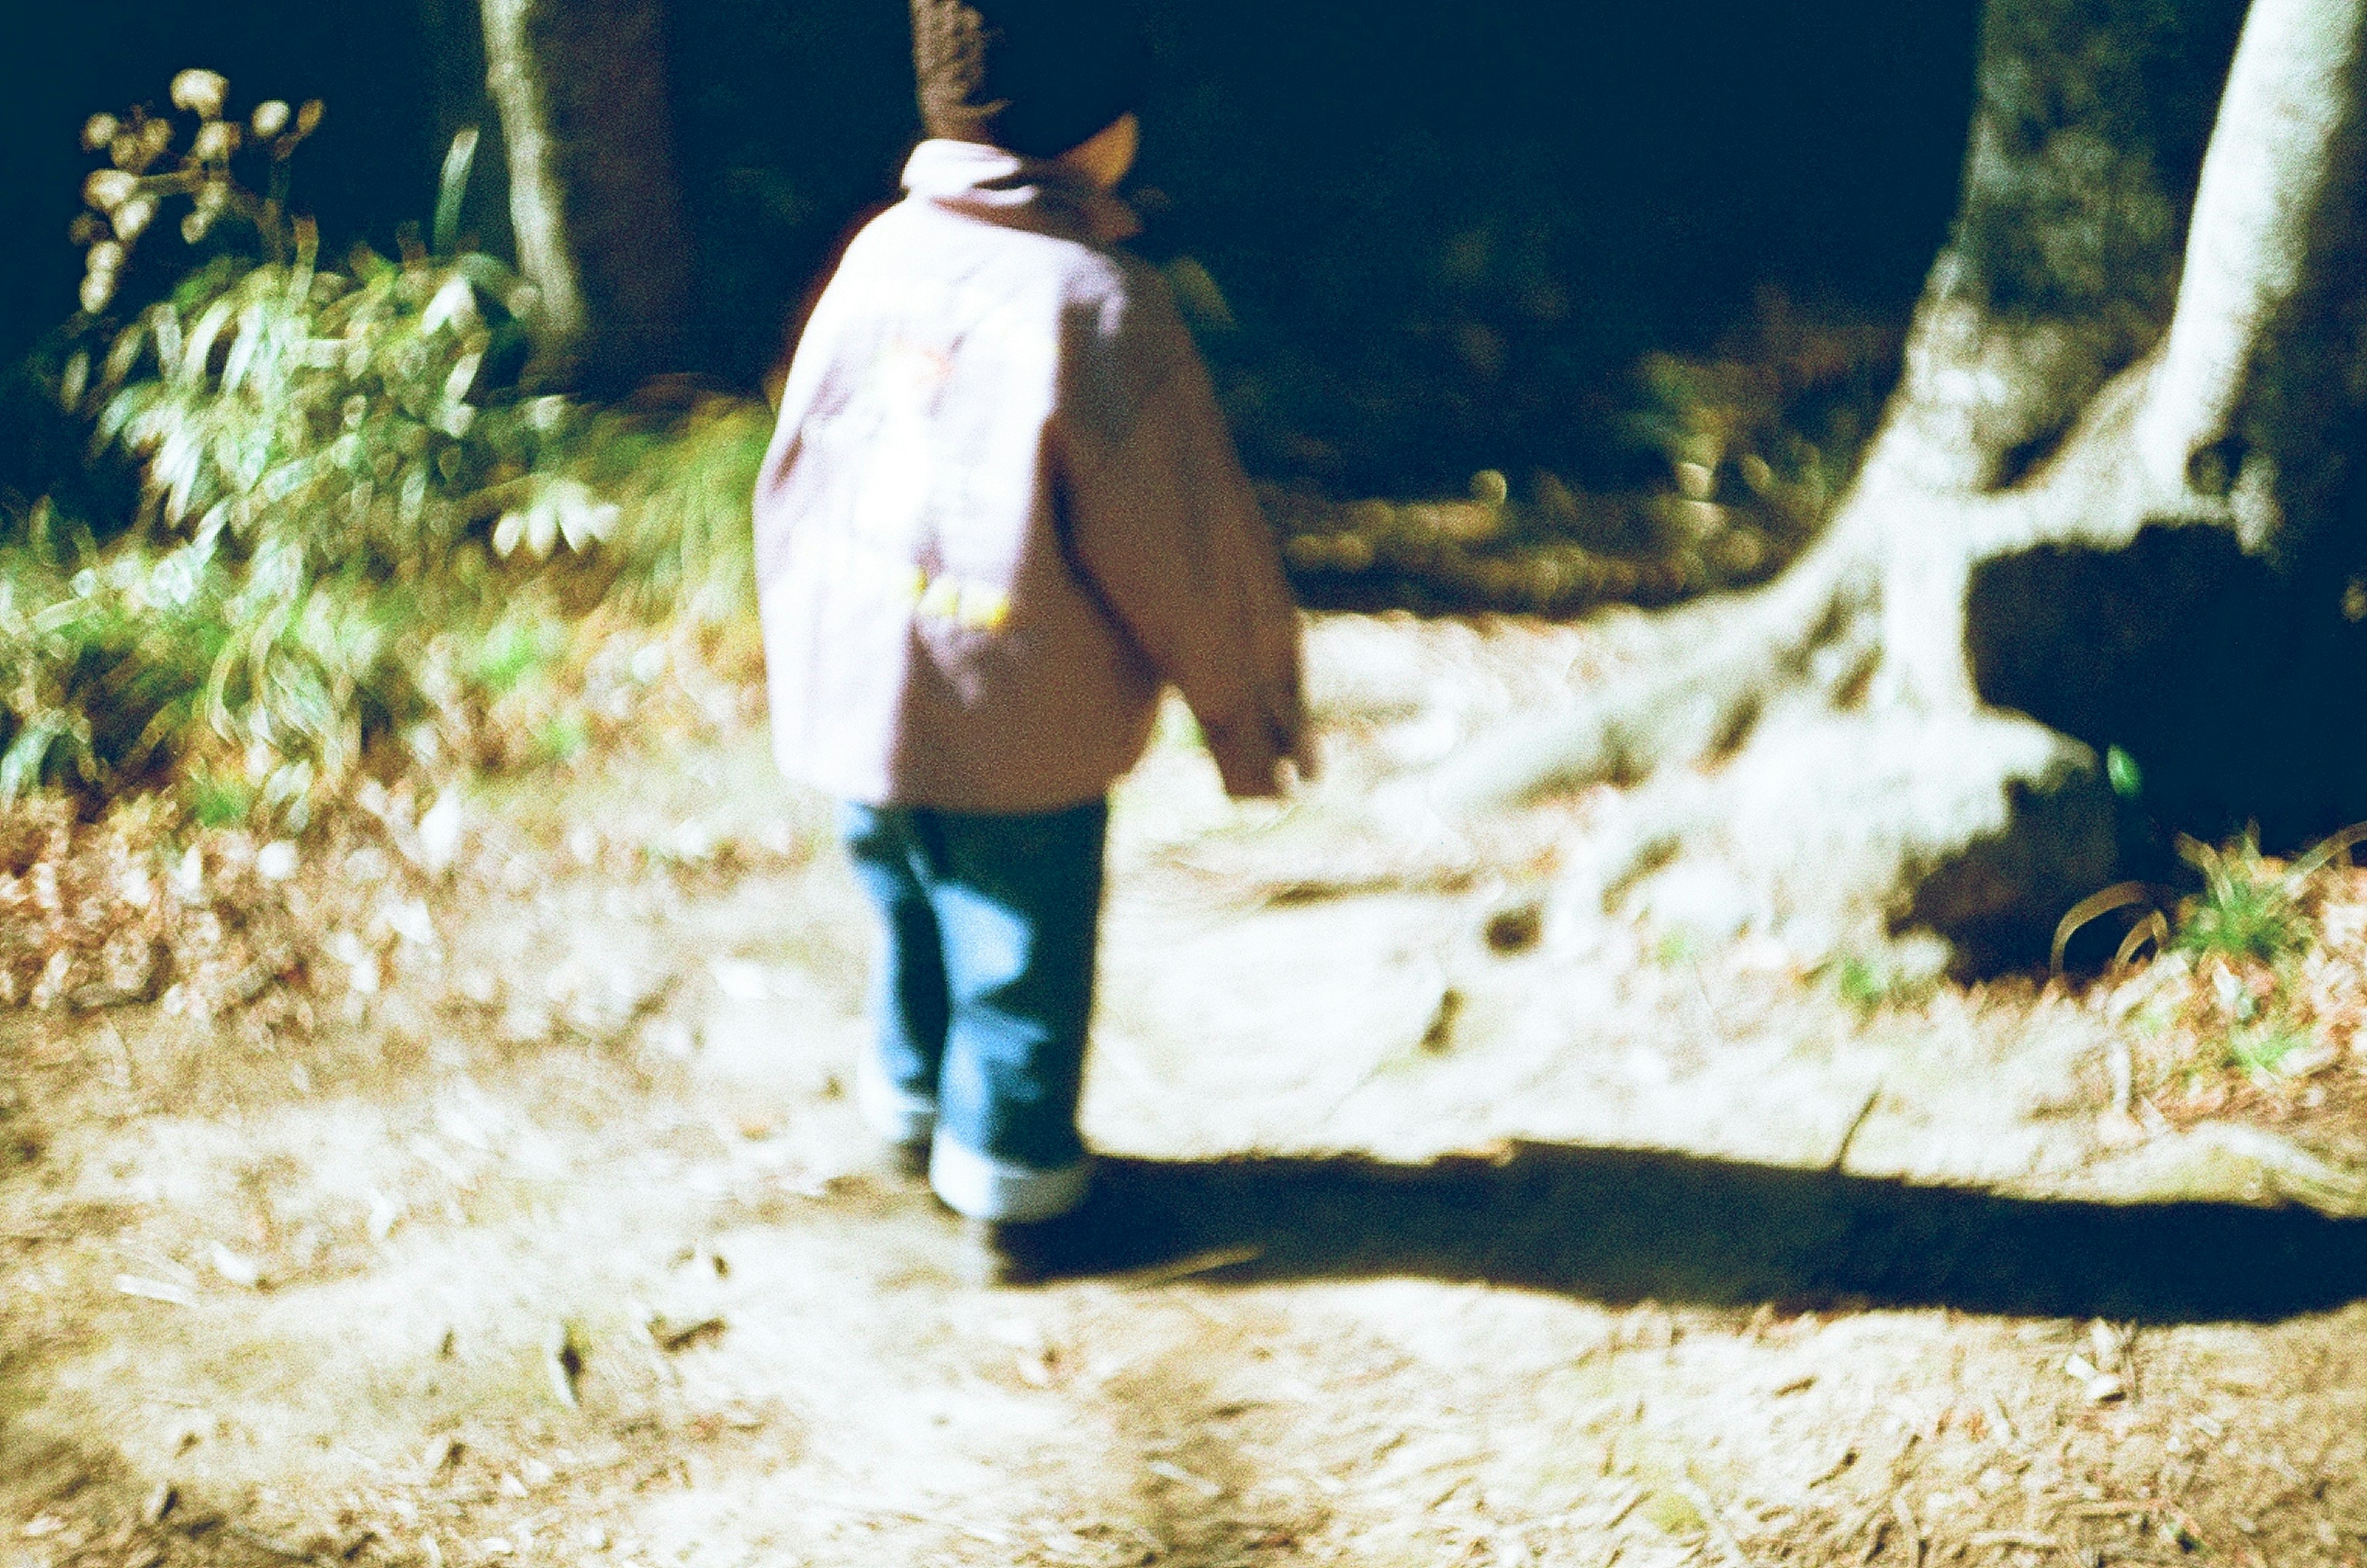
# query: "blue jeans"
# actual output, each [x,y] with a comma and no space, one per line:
[983,994]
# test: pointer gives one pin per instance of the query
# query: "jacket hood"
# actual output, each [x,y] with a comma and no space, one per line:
[998,185]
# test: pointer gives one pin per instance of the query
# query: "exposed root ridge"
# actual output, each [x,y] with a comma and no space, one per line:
[1706,675]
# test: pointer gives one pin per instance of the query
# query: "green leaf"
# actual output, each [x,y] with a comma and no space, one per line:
[452,189]
[20,765]
[2127,779]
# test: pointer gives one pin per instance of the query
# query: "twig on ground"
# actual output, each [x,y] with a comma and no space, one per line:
[1909,1529]
[1701,989]
[1865,1516]
[1841,1152]
[670,1336]
[1630,1497]
[1846,1457]
[1205,1262]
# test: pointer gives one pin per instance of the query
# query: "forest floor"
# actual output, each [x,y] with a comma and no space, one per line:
[565,1246]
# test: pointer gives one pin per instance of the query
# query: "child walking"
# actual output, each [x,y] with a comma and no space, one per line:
[1000,513]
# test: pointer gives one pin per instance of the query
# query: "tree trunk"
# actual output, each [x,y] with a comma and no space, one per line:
[2112,504]
[580,86]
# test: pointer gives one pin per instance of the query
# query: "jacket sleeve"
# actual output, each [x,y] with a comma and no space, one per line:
[1161,523]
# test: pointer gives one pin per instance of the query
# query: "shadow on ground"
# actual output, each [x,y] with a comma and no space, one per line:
[1622,1226]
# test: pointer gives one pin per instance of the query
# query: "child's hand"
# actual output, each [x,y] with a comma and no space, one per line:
[1265,768]
[1304,761]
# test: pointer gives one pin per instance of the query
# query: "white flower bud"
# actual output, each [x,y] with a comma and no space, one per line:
[135,216]
[97,131]
[216,142]
[109,188]
[97,288]
[200,92]
[270,117]
[107,256]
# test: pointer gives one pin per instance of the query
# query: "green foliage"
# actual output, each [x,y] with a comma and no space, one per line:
[217,802]
[1902,977]
[312,466]
[564,736]
[510,652]
[2249,909]
[347,486]
[1676,947]
[147,657]
[2258,1049]
[367,417]
[258,397]
[2121,768]
[1861,983]
[681,479]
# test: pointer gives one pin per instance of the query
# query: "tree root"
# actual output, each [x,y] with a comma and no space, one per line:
[1817,757]
[1838,830]
[1903,730]
[1705,673]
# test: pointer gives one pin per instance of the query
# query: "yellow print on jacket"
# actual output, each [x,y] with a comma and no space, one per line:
[859,566]
[908,466]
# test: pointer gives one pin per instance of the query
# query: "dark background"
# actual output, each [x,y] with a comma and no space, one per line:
[1445,231]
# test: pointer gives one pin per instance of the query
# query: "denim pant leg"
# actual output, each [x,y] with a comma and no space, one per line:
[1019,901]
[895,1082]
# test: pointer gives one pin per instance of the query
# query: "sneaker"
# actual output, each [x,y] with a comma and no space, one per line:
[1104,1234]
[906,1159]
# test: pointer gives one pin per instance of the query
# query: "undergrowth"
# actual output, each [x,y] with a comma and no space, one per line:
[1753,443]
[367,548]
[2254,984]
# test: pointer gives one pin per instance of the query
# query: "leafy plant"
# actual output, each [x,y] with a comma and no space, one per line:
[2121,771]
[363,546]
[1869,982]
[365,413]
[2250,907]
[2259,1049]
[333,465]
[1861,985]
[2259,975]
[681,478]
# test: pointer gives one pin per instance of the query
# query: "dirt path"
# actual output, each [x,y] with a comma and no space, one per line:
[1617,1246]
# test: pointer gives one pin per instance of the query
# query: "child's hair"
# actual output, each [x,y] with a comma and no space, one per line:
[1036,76]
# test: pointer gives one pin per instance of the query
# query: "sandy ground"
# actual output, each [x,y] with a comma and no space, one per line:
[1613,1246]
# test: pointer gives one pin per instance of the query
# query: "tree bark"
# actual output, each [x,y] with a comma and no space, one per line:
[2112,504]
[582,89]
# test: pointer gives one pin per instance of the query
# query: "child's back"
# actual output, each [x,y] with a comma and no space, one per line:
[1002,509]
[1000,513]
